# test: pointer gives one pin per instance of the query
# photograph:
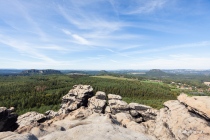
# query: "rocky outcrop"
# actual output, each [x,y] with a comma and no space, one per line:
[96,127]
[142,113]
[51,114]
[77,97]
[7,119]
[84,116]
[98,102]
[29,120]
[197,104]
[175,122]
[117,105]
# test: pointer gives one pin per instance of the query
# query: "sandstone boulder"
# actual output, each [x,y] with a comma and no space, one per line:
[114,97]
[142,112]
[29,120]
[100,95]
[175,122]
[77,97]
[7,119]
[98,102]
[197,104]
[97,105]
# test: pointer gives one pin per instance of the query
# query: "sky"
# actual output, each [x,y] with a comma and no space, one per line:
[105,34]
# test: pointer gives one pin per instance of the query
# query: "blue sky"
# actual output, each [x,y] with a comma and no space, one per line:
[105,34]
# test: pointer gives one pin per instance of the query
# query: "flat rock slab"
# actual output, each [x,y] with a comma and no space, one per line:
[198,104]
[97,127]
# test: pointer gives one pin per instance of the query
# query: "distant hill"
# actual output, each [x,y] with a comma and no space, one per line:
[156,73]
[10,71]
[41,72]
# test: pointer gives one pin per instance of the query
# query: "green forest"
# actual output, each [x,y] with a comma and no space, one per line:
[43,92]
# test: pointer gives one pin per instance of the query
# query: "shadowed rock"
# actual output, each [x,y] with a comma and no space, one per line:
[7,119]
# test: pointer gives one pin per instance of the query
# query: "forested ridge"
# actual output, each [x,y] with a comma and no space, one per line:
[44,92]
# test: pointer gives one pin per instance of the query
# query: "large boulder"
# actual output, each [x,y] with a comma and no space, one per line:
[29,120]
[197,104]
[7,119]
[98,102]
[77,97]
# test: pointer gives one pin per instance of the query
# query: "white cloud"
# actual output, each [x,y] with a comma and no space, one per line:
[24,48]
[137,6]
[90,21]
[66,32]
[23,12]
[80,39]
[51,47]
[181,46]
[147,6]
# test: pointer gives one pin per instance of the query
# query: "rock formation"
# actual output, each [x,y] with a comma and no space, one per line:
[86,116]
[176,122]
[98,102]
[197,104]
[77,97]
[29,120]
[116,104]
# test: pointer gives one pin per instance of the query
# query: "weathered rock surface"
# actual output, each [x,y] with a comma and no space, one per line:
[116,104]
[197,104]
[114,97]
[100,95]
[7,119]
[97,127]
[175,122]
[51,114]
[98,102]
[15,136]
[142,112]
[29,120]
[77,97]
